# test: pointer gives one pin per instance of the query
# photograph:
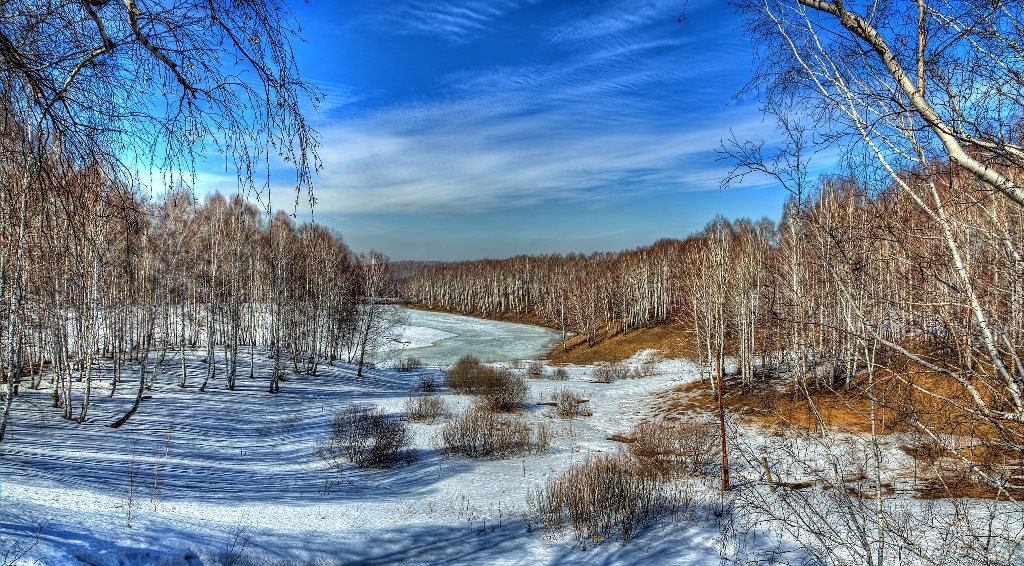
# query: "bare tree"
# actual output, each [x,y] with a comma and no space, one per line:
[163,82]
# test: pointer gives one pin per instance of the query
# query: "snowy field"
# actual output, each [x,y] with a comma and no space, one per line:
[231,477]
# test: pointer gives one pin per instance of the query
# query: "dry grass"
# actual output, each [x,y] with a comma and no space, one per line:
[900,408]
[606,496]
[568,405]
[604,372]
[426,408]
[671,340]
[673,447]
[559,374]
[535,370]
[481,433]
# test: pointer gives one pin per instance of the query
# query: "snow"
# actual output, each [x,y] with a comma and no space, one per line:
[237,480]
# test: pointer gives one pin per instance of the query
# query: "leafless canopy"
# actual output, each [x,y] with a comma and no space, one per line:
[158,84]
[908,81]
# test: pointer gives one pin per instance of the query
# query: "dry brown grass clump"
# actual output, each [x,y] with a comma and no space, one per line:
[610,373]
[426,408]
[606,496]
[499,388]
[535,370]
[560,374]
[605,372]
[676,446]
[568,405]
[482,433]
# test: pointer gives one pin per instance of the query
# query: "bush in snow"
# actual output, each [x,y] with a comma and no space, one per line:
[467,375]
[669,447]
[605,496]
[535,370]
[426,408]
[505,391]
[569,405]
[367,438]
[410,363]
[499,388]
[428,383]
[560,374]
[608,373]
[481,433]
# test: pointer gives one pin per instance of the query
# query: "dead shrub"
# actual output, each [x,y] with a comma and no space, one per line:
[609,373]
[569,405]
[408,363]
[499,388]
[426,408]
[367,438]
[560,374]
[428,383]
[670,447]
[481,433]
[535,370]
[467,376]
[505,391]
[605,496]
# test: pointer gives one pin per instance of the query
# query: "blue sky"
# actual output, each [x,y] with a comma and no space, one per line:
[475,128]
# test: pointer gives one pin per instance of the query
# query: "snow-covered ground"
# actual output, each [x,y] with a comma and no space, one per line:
[231,477]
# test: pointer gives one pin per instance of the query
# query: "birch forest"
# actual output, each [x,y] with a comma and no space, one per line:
[109,257]
[846,383]
[109,279]
[854,281]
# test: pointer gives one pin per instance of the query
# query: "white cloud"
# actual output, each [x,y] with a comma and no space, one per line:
[454,20]
[475,166]
[615,19]
[624,115]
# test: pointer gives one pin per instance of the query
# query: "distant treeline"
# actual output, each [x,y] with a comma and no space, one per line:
[845,266]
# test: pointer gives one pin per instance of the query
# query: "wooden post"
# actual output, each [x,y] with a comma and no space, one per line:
[721,422]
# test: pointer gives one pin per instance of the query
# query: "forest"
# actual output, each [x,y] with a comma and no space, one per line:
[112,276]
[854,281]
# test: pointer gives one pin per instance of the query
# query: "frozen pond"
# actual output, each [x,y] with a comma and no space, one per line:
[440,339]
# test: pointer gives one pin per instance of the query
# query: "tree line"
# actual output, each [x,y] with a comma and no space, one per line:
[574,293]
[106,279]
[99,99]
[853,276]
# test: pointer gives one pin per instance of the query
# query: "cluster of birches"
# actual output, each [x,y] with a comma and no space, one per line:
[101,279]
[851,273]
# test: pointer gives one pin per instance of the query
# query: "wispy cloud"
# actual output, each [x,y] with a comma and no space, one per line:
[514,137]
[609,113]
[616,18]
[456,21]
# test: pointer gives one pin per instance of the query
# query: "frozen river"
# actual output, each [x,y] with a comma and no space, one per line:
[441,339]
